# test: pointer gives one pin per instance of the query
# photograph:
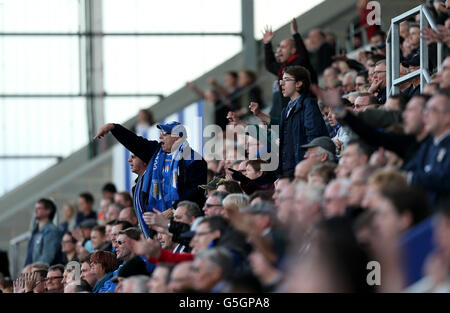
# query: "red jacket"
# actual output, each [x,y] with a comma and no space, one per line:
[168,256]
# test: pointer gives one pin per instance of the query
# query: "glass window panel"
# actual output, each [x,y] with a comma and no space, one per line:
[42,125]
[162,65]
[39,16]
[172,16]
[121,109]
[39,65]
[274,13]
[38,126]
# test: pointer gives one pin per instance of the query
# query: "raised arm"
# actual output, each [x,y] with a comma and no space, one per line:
[141,147]
[269,57]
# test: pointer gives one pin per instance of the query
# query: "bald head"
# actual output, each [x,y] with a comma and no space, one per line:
[286,50]
[302,170]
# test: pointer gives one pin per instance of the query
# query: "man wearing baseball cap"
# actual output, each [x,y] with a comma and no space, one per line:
[320,149]
[173,173]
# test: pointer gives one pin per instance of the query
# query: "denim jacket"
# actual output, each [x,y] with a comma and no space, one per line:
[44,244]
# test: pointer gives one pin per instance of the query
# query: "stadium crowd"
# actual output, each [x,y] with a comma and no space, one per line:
[358,171]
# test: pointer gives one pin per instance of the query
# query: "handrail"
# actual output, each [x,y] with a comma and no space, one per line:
[393,79]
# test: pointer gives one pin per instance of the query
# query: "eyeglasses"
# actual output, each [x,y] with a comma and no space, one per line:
[54,277]
[378,72]
[66,241]
[286,80]
[120,242]
[211,205]
[202,233]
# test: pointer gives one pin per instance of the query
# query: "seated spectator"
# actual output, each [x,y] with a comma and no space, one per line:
[302,170]
[399,209]
[180,278]
[261,195]
[53,282]
[361,80]
[85,203]
[341,133]
[109,189]
[363,102]
[103,264]
[336,198]
[383,178]
[355,154]
[80,250]
[113,212]
[378,87]
[104,205]
[32,281]
[320,150]
[135,284]
[210,269]
[128,214]
[359,184]
[86,273]
[69,223]
[213,205]
[396,103]
[233,204]
[322,174]
[348,82]
[159,281]
[412,64]
[68,248]
[86,228]
[330,76]
[98,239]
[280,185]
[229,186]
[123,198]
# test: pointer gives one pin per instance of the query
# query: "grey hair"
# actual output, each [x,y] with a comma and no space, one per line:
[330,155]
[220,194]
[139,283]
[344,186]
[219,257]
[117,206]
[352,74]
[236,199]
[313,194]
[192,208]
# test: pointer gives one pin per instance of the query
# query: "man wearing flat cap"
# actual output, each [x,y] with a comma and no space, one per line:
[173,173]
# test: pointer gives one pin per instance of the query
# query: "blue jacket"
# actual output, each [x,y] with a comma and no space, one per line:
[304,123]
[44,245]
[430,168]
[101,282]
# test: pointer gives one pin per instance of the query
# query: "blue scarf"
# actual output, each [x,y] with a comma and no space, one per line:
[161,196]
